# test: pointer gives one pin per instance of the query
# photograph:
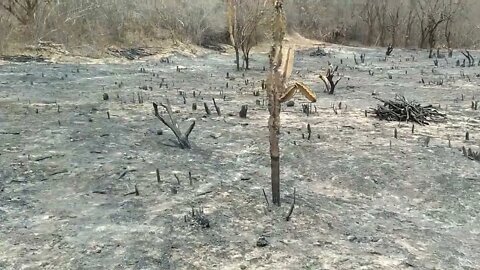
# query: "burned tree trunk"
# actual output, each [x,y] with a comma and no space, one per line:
[237,58]
[275,87]
[274,129]
[281,65]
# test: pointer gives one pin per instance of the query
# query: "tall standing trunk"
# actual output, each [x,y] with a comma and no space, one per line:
[274,128]
[448,33]
[237,58]
[381,11]
[275,87]
[370,34]
[394,37]
[423,38]
[408,30]
[381,37]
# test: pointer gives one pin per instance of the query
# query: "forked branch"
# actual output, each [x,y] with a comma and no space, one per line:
[468,55]
[183,141]
[330,84]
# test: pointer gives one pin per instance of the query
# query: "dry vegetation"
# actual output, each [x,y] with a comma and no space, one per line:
[89,25]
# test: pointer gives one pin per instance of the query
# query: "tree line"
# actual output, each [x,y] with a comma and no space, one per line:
[95,24]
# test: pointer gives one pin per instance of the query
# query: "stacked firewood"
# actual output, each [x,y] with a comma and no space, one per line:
[400,109]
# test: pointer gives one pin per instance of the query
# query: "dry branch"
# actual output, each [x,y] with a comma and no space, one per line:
[173,126]
[471,60]
[290,212]
[400,109]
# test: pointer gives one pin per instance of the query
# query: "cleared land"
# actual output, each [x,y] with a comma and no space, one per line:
[364,200]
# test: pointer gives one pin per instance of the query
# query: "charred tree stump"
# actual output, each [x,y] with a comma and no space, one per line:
[243,111]
[389,50]
[330,84]
[183,141]
[306,109]
[216,107]
[207,110]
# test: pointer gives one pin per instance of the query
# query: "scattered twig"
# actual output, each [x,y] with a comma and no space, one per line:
[125,173]
[266,198]
[59,172]
[207,110]
[290,212]
[136,192]
[204,193]
[216,107]
[178,179]
[9,133]
[43,158]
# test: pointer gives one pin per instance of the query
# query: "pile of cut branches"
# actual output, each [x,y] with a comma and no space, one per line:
[400,109]
[130,53]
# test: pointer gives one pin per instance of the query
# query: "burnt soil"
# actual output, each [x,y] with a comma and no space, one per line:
[364,200]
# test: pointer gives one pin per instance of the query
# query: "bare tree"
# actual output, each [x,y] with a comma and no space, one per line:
[244,18]
[409,22]
[451,9]
[251,18]
[23,10]
[91,25]
[431,14]
[5,32]
[394,21]
[381,16]
[369,16]
[187,20]
[233,29]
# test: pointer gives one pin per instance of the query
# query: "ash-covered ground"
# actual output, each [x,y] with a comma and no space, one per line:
[364,200]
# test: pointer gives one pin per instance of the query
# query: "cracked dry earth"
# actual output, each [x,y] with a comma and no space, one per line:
[364,200]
